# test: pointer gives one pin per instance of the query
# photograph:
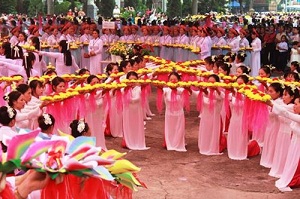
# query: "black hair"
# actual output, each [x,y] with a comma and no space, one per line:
[216,77]
[42,122]
[25,36]
[292,91]
[175,74]
[277,87]
[67,53]
[245,78]
[294,74]
[83,71]
[110,67]
[132,73]
[50,71]
[245,69]
[267,69]
[90,78]
[23,88]
[27,63]
[36,43]
[241,56]
[34,84]
[12,97]
[7,50]
[5,117]
[97,31]
[74,128]
[56,81]
[296,65]
[209,60]
[123,64]
[226,67]
[231,55]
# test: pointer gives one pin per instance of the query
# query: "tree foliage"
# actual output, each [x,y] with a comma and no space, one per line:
[7,6]
[106,8]
[206,6]
[149,4]
[35,7]
[186,7]
[131,3]
[174,8]
[61,7]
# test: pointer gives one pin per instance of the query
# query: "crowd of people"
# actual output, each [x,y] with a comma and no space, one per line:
[224,116]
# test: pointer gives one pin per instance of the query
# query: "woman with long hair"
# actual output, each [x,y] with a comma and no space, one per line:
[65,62]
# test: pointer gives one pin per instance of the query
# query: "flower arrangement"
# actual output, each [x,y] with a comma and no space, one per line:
[120,49]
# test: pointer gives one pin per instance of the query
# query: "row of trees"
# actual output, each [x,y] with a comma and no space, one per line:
[174,7]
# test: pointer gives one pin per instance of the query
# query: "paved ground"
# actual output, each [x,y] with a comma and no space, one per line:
[190,175]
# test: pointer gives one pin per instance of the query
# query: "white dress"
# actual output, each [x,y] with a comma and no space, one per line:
[210,125]
[133,123]
[295,56]
[6,133]
[293,155]
[282,145]
[96,45]
[237,140]
[255,56]
[174,121]
[96,120]
[270,138]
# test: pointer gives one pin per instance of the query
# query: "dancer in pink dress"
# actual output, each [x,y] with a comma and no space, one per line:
[237,140]
[275,90]
[133,123]
[210,123]
[264,72]
[283,140]
[174,116]
[96,118]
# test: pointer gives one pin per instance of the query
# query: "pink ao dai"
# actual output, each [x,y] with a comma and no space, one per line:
[237,140]
[270,138]
[174,121]
[282,145]
[210,125]
[133,123]
[96,120]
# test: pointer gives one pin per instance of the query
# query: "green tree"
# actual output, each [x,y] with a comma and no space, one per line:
[174,8]
[61,7]
[149,4]
[7,6]
[211,5]
[35,7]
[131,3]
[186,7]
[106,8]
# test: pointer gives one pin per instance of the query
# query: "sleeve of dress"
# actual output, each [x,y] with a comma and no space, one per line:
[14,67]
[34,113]
[100,45]
[74,64]
[204,47]
[22,116]
[136,95]
[55,55]
[257,46]
[279,110]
